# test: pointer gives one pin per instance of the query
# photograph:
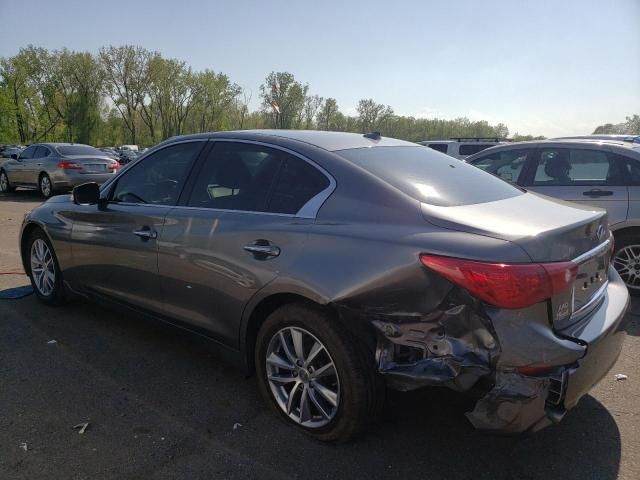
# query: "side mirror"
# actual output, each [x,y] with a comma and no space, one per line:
[86,194]
[14,156]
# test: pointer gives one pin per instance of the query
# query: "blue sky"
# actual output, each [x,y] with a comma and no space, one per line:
[541,67]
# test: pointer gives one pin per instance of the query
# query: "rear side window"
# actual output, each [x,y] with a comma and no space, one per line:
[630,169]
[506,164]
[255,178]
[429,177]
[473,148]
[440,147]
[28,152]
[159,178]
[567,167]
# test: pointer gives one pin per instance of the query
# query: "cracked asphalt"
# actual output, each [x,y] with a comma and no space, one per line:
[163,405]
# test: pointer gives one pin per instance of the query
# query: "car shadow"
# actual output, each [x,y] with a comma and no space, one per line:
[420,434]
[23,195]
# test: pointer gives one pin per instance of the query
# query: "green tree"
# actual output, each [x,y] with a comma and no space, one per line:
[283,99]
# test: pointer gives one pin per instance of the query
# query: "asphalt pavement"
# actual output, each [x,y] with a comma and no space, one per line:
[162,405]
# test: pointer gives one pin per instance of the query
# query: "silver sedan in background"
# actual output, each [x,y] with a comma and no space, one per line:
[56,167]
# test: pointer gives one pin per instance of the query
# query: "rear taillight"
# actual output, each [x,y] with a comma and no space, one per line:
[515,285]
[113,166]
[66,165]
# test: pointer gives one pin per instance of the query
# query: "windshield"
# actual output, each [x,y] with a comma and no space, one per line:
[78,150]
[431,177]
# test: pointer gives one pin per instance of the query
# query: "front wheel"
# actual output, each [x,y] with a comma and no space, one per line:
[316,374]
[43,269]
[5,186]
[626,260]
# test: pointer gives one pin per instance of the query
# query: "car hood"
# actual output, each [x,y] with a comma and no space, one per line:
[548,229]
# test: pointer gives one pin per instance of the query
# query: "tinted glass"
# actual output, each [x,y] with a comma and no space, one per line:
[78,150]
[506,164]
[440,147]
[298,182]
[430,177]
[470,149]
[158,179]
[28,152]
[630,169]
[237,176]
[566,167]
[41,152]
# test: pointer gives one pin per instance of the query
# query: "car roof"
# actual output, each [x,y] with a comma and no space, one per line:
[331,141]
[621,146]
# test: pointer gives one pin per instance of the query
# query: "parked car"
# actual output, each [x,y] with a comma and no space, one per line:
[604,174]
[127,156]
[53,167]
[462,147]
[110,152]
[10,150]
[335,263]
[607,137]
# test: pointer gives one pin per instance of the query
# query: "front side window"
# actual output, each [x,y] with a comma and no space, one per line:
[574,167]
[255,178]
[28,152]
[159,178]
[506,164]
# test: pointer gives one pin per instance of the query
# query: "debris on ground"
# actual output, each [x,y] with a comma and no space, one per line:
[236,426]
[621,376]
[24,446]
[82,427]
[50,342]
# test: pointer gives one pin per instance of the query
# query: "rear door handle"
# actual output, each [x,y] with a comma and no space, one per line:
[146,233]
[596,192]
[265,250]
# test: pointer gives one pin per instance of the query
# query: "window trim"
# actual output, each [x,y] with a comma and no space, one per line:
[309,210]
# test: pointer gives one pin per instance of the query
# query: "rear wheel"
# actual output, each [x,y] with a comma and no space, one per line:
[43,269]
[46,187]
[315,373]
[5,186]
[626,260]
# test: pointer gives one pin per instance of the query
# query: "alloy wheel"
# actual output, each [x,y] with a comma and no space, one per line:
[303,377]
[42,267]
[4,182]
[627,262]
[45,186]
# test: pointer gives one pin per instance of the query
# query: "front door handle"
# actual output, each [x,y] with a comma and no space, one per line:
[262,249]
[596,192]
[146,233]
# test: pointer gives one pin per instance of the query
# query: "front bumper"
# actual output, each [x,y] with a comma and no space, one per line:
[460,345]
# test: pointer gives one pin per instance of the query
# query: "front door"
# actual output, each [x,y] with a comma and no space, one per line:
[115,244]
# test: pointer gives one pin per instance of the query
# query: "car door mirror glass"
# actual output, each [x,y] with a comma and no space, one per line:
[86,194]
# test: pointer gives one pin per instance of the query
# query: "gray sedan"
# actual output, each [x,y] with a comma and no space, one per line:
[335,264]
[53,167]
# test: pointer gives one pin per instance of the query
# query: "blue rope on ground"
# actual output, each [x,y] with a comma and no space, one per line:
[16,293]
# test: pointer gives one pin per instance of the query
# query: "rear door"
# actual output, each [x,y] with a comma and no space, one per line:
[242,223]
[34,165]
[115,245]
[583,175]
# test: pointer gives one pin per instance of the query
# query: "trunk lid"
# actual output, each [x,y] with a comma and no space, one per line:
[92,165]
[548,230]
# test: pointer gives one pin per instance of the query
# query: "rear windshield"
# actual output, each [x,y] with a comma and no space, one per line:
[431,177]
[78,150]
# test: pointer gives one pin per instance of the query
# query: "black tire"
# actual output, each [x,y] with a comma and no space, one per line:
[361,388]
[46,193]
[56,296]
[622,241]
[5,186]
